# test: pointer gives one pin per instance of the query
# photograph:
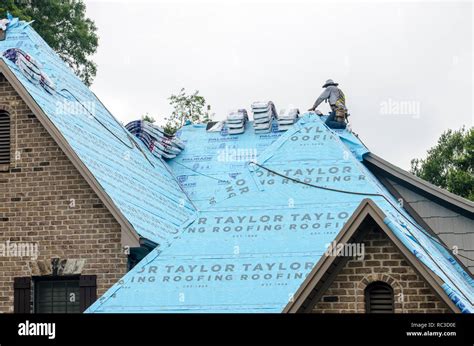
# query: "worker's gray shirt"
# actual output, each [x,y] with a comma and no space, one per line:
[330,93]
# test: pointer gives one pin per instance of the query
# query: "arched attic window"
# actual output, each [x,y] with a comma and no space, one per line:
[379,298]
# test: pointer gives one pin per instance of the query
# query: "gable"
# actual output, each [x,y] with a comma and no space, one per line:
[136,186]
[46,203]
[379,261]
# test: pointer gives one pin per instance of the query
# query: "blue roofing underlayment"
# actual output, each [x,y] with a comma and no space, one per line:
[240,238]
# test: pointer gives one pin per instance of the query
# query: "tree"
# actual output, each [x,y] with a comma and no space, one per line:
[148,117]
[190,107]
[64,26]
[450,164]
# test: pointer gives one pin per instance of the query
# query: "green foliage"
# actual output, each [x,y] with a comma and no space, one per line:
[450,164]
[190,107]
[64,26]
[148,118]
[16,8]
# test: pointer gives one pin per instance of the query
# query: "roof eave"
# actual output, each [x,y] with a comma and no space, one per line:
[452,201]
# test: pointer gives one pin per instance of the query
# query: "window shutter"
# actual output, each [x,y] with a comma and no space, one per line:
[88,290]
[379,298]
[22,295]
[4,137]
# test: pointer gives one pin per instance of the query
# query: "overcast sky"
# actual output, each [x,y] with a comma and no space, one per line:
[406,68]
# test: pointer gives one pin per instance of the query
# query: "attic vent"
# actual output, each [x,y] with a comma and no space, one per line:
[4,137]
[379,298]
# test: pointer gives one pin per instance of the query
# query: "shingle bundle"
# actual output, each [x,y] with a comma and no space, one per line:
[287,118]
[236,121]
[263,114]
[157,141]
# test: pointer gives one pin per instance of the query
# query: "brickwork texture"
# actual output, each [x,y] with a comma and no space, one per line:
[45,200]
[382,262]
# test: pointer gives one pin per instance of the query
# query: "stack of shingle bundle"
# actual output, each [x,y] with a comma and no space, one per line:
[263,114]
[236,121]
[157,141]
[287,117]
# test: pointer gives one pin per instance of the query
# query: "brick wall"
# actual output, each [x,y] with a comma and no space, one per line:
[44,199]
[382,262]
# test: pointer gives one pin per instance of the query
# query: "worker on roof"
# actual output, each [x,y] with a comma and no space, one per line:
[337,118]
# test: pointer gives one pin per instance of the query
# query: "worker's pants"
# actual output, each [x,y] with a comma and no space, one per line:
[333,123]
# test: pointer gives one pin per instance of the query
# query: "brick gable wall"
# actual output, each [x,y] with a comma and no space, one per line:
[382,262]
[45,200]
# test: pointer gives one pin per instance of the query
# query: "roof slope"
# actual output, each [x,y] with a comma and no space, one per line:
[140,186]
[258,232]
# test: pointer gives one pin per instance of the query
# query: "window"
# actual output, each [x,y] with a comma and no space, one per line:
[54,294]
[57,295]
[379,298]
[4,137]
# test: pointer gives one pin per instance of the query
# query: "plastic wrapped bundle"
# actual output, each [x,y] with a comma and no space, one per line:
[287,118]
[236,121]
[30,68]
[47,84]
[263,114]
[156,140]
